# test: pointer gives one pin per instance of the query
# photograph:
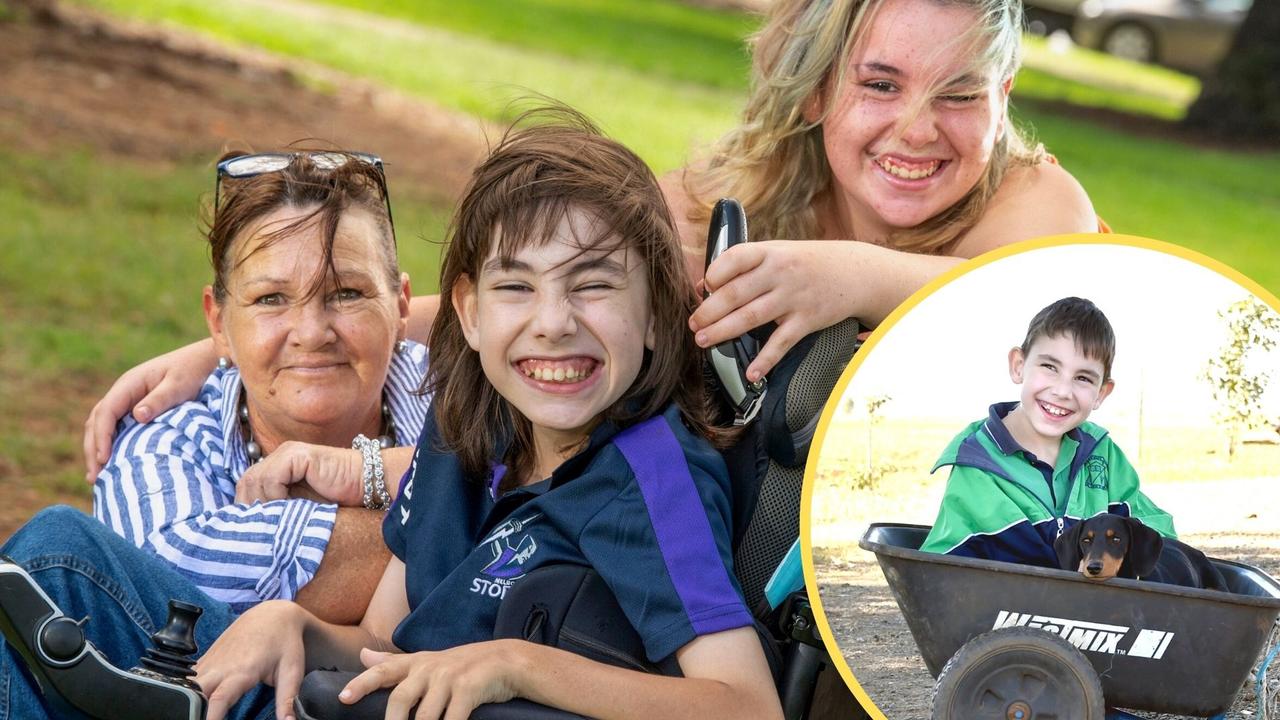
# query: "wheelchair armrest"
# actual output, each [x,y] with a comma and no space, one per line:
[318,700]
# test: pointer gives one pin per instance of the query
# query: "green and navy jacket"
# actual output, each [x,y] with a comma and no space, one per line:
[1003,503]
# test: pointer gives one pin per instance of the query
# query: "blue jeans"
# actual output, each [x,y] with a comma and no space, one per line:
[88,570]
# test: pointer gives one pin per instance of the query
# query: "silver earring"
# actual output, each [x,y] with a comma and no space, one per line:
[402,347]
[224,363]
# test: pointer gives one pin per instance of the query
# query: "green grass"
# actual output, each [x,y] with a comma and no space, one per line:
[660,118]
[1223,203]
[674,40]
[1090,78]
[101,267]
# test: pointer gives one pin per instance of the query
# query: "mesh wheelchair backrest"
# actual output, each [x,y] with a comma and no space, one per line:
[774,522]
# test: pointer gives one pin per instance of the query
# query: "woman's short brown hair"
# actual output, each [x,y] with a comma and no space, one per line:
[554,160]
[333,190]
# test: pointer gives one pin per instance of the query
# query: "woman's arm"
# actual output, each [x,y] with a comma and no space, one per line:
[318,472]
[194,521]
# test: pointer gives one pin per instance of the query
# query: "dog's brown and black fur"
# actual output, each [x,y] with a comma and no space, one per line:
[1106,546]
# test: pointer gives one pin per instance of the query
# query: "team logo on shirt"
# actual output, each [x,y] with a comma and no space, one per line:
[1096,473]
[511,547]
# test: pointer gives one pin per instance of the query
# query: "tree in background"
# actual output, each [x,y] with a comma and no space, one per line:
[1241,100]
[871,471]
[1236,385]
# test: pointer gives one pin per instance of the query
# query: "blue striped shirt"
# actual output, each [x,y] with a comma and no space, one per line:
[170,487]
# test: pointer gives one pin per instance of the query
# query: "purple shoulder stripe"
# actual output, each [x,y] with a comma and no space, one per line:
[680,523]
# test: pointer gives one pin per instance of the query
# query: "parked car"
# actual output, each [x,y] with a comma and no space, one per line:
[1047,16]
[1190,35]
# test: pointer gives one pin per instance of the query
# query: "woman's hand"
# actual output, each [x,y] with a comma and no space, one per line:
[803,286]
[335,474]
[262,646]
[450,683]
[146,390]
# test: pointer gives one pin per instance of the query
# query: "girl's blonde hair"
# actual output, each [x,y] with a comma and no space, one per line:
[774,161]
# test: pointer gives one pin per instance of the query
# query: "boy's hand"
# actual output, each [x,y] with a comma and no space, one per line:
[449,684]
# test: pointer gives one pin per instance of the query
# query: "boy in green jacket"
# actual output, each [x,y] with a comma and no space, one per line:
[1033,467]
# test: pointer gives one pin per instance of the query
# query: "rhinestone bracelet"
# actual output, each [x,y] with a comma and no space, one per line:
[373,479]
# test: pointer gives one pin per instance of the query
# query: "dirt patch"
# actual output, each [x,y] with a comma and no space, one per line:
[876,643]
[70,77]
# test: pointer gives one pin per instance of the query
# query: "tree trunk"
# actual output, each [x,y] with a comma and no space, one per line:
[1241,101]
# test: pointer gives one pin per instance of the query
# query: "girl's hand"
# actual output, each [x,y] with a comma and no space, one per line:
[146,390]
[334,474]
[448,684]
[802,285]
[262,646]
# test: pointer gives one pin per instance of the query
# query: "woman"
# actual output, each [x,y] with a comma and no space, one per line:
[879,121]
[307,312]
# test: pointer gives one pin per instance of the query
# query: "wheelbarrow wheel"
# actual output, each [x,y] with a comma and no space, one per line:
[1018,673]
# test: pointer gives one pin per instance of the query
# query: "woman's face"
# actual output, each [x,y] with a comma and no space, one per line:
[313,366]
[901,146]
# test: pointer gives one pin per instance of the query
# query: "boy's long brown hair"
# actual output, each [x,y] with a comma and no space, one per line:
[551,161]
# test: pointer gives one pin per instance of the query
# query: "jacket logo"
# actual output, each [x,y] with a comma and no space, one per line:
[1096,473]
[511,547]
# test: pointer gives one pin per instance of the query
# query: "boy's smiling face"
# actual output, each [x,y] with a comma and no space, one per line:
[561,332]
[1060,387]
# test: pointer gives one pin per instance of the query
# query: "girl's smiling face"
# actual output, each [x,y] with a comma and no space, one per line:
[561,331]
[912,128]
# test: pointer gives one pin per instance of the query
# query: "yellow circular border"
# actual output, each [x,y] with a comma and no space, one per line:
[806,493]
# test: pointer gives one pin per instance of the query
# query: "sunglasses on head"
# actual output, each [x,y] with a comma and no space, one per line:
[246,166]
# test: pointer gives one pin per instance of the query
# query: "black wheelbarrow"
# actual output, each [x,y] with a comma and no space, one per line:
[1017,642]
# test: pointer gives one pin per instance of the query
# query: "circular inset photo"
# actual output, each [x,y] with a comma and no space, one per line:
[1051,488]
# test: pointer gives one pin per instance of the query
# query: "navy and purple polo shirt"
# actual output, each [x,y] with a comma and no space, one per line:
[649,509]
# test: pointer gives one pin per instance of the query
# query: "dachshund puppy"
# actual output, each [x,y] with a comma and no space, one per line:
[1106,546]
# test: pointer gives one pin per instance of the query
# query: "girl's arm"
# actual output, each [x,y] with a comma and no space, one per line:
[725,677]
[145,391]
[278,642]
[807,285]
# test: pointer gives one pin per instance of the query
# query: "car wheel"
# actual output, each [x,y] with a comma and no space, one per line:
[1131,41]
